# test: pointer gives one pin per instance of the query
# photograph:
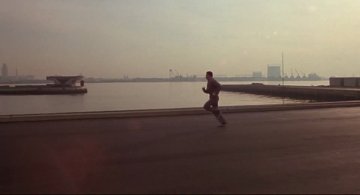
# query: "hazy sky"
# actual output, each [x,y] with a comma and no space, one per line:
[113,38]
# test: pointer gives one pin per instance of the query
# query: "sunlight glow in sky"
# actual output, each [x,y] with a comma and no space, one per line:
[113,38]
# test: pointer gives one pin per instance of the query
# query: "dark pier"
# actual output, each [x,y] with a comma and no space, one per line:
[318,93]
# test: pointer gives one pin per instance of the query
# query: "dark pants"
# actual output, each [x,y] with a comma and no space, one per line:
[212,106]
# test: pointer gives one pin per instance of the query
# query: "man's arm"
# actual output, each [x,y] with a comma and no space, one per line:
[217,88]
[205,90]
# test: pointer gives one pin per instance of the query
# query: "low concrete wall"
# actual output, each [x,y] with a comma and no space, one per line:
[169,112]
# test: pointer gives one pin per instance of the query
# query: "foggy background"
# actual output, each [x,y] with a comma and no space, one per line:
[146,38]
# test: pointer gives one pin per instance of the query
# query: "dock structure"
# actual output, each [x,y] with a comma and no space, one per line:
[317,93]
[65,81]
[61,85]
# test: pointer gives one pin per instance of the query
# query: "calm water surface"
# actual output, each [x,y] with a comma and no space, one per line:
[133,96]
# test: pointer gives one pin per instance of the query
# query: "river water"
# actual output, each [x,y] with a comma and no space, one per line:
[134,96]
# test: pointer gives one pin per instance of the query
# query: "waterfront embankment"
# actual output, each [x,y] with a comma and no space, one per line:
[292,151]
[170,112]
[317,93]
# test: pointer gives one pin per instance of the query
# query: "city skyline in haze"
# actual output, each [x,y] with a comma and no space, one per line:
[146,38]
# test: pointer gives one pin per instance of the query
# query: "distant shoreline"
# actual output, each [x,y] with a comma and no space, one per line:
[185,79]
[179,79]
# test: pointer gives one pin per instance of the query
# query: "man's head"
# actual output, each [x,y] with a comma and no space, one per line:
[209,74]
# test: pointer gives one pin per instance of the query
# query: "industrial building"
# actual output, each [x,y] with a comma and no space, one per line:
[274,72]
[7,77]
[257,74]
[4,71]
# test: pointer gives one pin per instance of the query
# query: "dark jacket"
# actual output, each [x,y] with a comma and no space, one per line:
[213,88]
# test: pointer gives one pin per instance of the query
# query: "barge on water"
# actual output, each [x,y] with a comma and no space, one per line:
[60,85]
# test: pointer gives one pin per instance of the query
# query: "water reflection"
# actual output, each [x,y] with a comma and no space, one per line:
[132,96]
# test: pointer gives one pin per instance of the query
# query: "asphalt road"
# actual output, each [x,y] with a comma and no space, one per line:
[309,151]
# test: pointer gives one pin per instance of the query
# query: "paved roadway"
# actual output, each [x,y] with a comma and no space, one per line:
[308,151]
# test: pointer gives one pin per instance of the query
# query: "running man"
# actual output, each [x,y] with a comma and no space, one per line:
[213,89]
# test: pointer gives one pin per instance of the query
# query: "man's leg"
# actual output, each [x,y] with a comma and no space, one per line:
[215,110]
[221,118]
[218,115]
[207,106]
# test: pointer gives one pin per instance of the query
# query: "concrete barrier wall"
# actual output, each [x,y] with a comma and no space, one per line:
[169,112]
